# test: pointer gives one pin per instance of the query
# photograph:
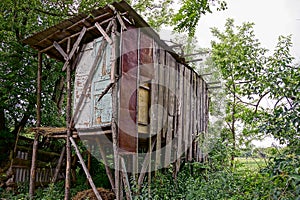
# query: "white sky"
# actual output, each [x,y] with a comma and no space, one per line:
[271,17]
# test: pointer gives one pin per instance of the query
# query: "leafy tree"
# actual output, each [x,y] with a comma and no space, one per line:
[188,16]
[251,77]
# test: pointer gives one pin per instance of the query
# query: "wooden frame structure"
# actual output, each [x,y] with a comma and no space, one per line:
[133,97]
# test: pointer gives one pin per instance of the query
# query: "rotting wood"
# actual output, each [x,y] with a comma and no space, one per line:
[59,164]
[85,169]
[125,180]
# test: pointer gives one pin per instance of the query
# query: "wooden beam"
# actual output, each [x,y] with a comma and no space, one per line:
[60,50]
[74,35]
[85,169]
[75,46]
[114,123]
[102,31]
[69,131]
[124,28]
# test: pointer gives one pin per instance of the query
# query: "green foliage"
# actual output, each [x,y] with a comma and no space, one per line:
[188,16]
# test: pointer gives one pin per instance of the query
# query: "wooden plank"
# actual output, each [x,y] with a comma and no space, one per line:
[180,117]
[60,50]
[176,115]
[197,118]
[113,58]
[75,46]
[201,115]
[121,22]
[102,31]
[160,111]
[166,96]
[193,117]
[170,112]
[187,112]
[153,111]
[85,170]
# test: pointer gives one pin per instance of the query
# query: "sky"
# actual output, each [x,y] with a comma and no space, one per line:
[272,18]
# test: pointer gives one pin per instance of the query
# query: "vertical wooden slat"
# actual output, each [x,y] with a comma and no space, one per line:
[160,109]
[176,115]
[170,105]
[154,108]
[180,129]
[200,115]
[192,110]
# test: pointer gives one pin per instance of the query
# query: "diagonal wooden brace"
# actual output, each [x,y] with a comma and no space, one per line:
[60,50]
[102,31]
[75,46]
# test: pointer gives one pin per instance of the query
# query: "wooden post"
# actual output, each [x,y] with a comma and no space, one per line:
[85,169]
[114,119]
[38,124]
[69,135]
[57,169]
[107,169]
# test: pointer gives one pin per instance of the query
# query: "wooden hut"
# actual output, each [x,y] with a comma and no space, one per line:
[132,97]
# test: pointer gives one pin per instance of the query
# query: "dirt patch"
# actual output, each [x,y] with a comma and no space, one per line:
[89,194]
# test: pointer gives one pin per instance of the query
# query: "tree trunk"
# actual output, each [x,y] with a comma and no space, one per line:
[2,120]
